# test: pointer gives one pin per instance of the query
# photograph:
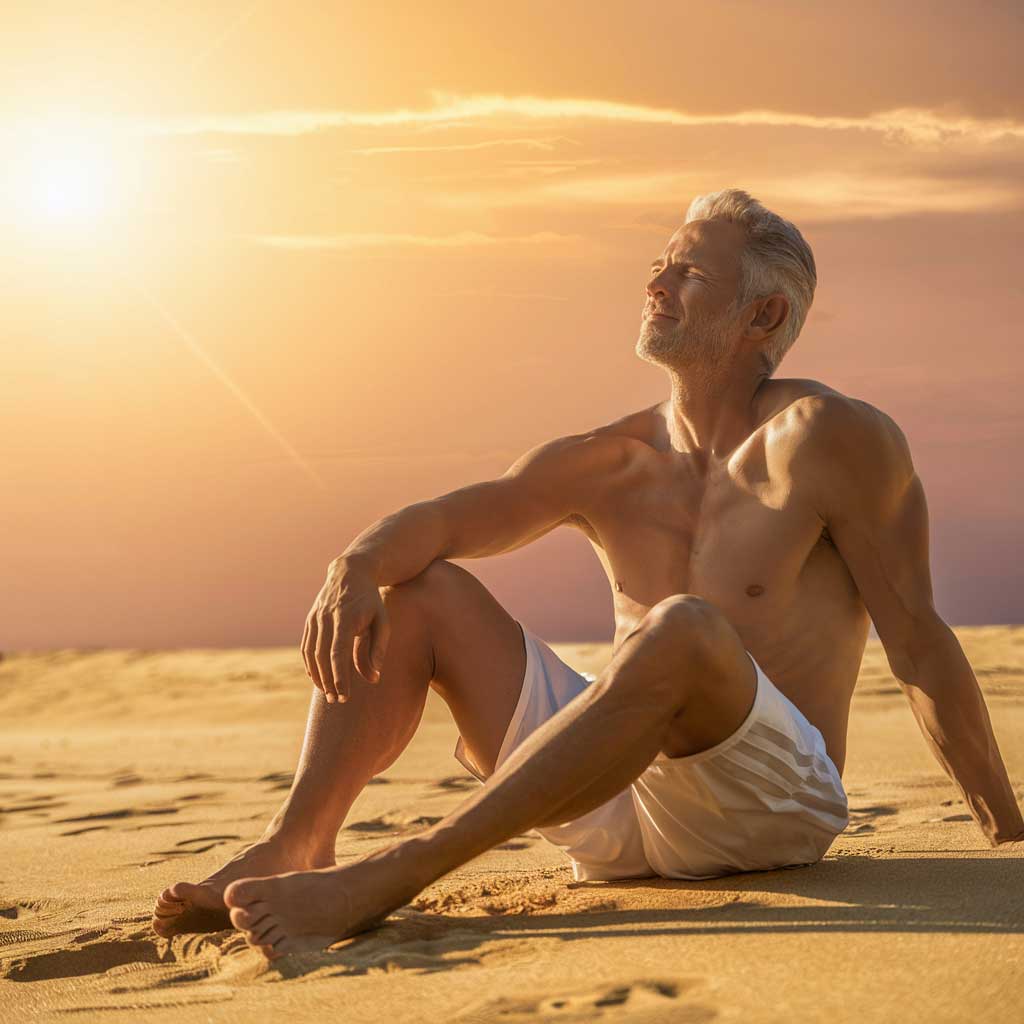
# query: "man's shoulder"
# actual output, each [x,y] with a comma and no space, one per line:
[567,459]
[827,420]
[842,442]
[644,426]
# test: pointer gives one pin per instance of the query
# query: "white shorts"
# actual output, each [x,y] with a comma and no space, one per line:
[766,797]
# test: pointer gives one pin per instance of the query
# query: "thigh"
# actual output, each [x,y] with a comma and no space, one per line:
[479,657]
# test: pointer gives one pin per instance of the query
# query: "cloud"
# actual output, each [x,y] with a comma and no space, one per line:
[912,125]
[822,195]
[545,144]
[487,293]
[377,240]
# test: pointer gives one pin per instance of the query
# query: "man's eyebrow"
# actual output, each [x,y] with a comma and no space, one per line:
[685,263]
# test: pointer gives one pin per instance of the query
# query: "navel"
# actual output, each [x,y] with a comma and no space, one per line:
[755,590]
[618,586]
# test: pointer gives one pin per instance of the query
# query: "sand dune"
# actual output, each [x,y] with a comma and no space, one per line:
[121,771]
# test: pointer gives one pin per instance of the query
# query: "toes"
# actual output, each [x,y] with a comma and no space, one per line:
[188,907]
[243,892]
[165,929]
[166,911]
[247,918]
[182,891]
[268,934]
[263,932]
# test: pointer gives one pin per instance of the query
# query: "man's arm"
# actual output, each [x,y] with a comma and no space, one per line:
[347,628]
[874,506]
[541,490]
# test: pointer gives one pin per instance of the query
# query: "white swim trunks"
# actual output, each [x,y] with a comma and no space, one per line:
[766,797]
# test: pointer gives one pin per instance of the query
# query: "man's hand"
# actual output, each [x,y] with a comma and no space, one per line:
[346,628]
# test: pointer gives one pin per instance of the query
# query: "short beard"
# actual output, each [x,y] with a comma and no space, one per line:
[701,341]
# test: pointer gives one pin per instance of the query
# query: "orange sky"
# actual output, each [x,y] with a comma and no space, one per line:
[312,265]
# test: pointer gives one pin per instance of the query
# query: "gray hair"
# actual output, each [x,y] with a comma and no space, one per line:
[776,258]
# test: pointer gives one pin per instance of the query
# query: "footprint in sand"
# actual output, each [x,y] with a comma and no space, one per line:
[393,823]
[82,831]
[648,1001]
[20,913]
[862,819]
[37,806]
[278,780]
[191,847]
[457,782]
[117,956]
[123,812]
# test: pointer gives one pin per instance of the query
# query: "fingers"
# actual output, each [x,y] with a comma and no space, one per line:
[309,652]
[370,647]
[324,640]
[381,637]
[361,656]
[338,660]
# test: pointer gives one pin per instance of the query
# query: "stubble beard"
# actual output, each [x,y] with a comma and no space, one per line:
[699,342]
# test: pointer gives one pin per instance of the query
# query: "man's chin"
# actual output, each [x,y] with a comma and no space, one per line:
[652,353]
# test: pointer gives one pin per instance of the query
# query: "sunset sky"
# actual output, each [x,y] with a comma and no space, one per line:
[270,271]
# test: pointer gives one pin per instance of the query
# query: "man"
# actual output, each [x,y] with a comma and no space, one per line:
[750,529]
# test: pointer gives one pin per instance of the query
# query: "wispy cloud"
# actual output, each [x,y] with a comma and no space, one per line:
[905,124]
[486,293]
[545,144]
[820,195]
[377,240]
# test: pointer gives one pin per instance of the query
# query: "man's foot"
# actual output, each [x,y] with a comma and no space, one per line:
[309,910]
[199,907]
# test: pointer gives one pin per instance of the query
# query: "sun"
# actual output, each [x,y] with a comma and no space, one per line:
[65,177]
[71,184]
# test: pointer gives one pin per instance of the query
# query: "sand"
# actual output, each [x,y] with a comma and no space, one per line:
[121,771]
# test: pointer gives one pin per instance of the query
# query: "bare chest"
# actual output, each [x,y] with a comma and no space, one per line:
[741,535]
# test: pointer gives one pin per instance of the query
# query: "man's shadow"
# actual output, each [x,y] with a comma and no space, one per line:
[978,895]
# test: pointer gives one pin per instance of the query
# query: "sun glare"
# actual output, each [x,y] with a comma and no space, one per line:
[65,178]
[71,184]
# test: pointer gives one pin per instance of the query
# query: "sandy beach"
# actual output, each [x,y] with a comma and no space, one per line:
[122,771]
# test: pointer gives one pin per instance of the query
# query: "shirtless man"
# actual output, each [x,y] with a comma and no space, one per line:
[750,529]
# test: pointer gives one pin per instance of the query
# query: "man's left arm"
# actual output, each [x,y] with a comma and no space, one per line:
[874,506]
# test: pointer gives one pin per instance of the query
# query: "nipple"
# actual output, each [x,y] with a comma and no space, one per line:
[755,590]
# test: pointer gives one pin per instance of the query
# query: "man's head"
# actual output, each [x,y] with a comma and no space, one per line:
[734,276]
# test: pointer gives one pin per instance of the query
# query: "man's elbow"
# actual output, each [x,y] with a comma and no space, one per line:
[912,657]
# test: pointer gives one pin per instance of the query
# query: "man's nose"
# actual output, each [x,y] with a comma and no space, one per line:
[654,287]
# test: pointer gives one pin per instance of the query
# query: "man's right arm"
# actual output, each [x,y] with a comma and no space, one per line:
[541,490]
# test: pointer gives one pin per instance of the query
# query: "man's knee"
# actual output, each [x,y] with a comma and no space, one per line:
[687,626]
[431,594]
[681,645]
[427,586]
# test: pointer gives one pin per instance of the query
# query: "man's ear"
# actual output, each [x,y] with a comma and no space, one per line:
[769,315]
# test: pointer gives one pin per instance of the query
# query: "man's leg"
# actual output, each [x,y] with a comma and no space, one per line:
[681,683]
[447,631]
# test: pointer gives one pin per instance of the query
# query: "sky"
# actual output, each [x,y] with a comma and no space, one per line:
[271,271]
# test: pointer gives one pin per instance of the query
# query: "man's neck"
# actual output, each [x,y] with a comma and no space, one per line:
[711,416]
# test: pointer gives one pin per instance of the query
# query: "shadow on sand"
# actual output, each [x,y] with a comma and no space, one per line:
[982,895]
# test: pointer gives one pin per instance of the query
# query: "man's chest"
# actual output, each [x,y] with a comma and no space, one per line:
[740,534]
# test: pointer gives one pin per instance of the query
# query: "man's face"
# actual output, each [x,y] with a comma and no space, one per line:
[687,317]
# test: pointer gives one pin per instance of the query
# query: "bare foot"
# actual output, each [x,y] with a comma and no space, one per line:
[309,910]
[199,907]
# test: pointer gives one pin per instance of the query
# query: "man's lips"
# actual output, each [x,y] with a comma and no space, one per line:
[655,313]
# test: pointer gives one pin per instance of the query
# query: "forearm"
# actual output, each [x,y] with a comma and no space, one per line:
[951,712]
[400,545]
